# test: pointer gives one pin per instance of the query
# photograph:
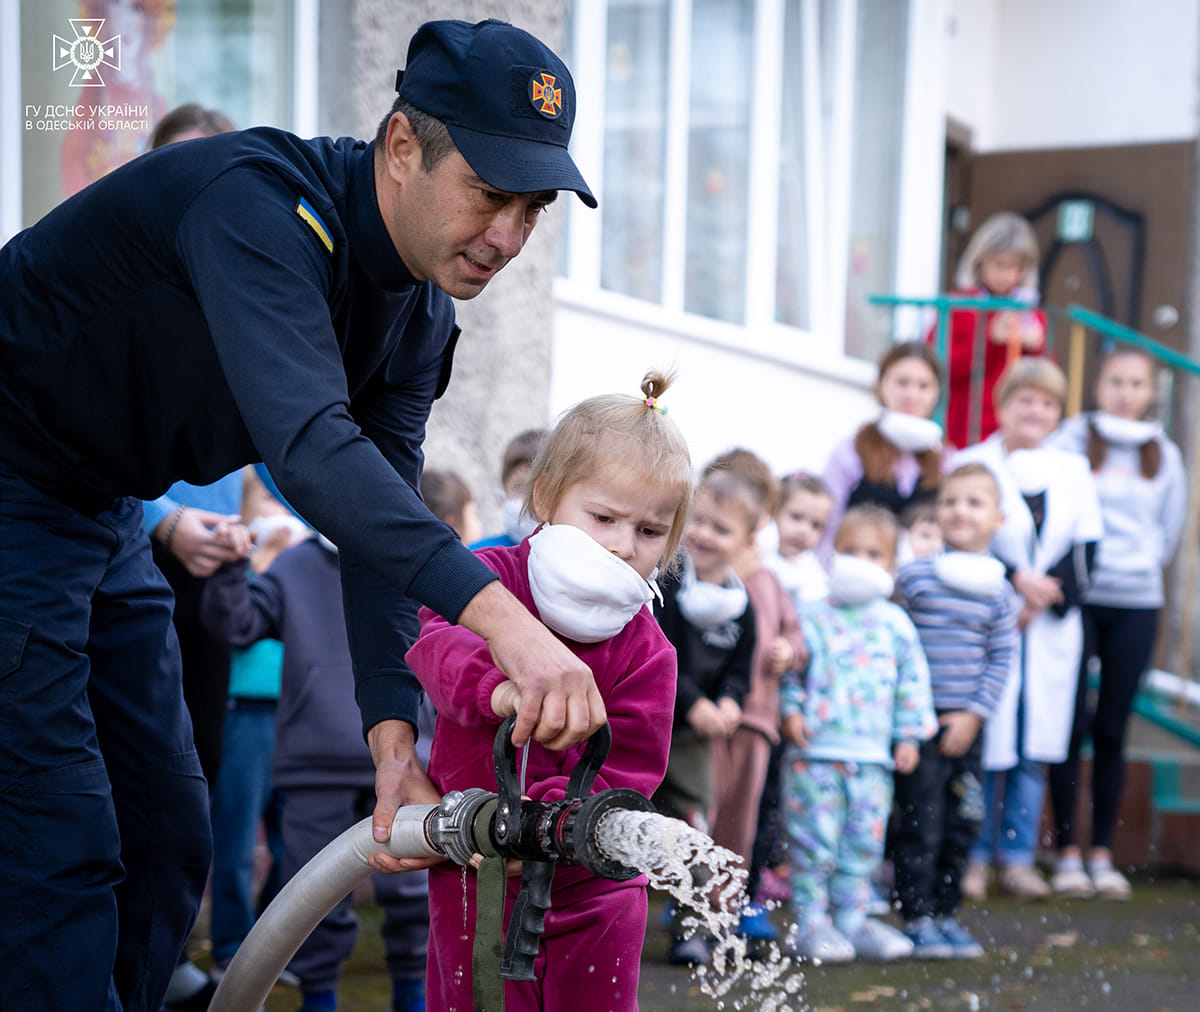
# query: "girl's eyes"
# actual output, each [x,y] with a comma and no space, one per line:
[652,532]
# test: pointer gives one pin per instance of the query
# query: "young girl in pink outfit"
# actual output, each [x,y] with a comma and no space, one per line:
[612,486]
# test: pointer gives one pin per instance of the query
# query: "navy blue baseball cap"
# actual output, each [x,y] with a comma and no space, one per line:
[507,100]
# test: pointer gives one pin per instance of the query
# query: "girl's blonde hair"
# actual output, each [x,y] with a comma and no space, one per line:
[1038,373]
[617,432]
[1005,232]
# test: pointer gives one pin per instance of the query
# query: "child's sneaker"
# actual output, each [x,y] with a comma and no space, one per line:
[1109,883]
[821,943]
[963,943]
[691,951]
[880,942]
[878,905]
[975,881]
[1023,881]
[756,925]
[1070,880]
[928,942]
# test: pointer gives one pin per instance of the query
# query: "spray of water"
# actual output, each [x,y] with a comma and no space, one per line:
[667,851]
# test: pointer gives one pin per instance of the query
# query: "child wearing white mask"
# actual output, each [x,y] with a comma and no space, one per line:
[897,459]
[861,710]
[515,466]
[707,616]
[965,612]
[612,484]
[1143,498]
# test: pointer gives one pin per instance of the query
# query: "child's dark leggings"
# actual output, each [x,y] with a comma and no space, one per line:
[1122,639]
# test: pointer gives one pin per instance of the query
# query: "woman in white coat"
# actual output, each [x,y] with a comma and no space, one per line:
[1051,527]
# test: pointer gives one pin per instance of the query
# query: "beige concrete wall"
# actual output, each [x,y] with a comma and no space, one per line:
[502,369]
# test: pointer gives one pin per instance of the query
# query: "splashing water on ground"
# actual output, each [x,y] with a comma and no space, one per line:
[667,851]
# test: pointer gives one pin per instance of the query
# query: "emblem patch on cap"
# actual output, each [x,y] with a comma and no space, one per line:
[545,95]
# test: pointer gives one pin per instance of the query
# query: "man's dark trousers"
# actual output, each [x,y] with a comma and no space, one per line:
[104,834]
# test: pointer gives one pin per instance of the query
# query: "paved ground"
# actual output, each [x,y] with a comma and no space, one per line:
[1142,956]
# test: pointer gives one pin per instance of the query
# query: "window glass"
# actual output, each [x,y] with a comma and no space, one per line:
[879,71]
[635,149]
[792,272]
[96,75]
[718,158]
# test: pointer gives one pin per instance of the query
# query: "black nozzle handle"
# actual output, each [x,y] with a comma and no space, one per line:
[528,921]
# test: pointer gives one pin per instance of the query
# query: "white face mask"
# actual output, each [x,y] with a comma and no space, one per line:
[1032,470]
[804,579]
[970,573]
[518,524]
[582,591]
[908,432]
[1125,431]
[856,581]
[709,605]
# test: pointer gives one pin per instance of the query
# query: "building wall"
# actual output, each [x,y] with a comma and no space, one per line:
[786,402]
[1073,73]
[502,366]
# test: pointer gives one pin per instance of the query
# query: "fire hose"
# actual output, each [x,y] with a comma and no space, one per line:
[500,825]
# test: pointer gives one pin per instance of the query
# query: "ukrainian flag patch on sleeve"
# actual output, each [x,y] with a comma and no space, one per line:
[313,220]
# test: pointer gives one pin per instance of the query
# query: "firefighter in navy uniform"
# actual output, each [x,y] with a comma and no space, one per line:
[250,296]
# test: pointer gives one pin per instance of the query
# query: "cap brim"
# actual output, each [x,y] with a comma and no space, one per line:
[520,166]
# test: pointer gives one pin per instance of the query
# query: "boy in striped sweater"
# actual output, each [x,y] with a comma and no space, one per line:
[966,616]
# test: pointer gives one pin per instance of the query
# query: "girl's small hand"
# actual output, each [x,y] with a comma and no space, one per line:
[1033,334]
[779,657]
[705,718]
[907,756]
[1004,325]
[795,729]
[506,699]
[731,716]
[960,730]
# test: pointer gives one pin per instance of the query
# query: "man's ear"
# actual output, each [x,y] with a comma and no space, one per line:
[402,152]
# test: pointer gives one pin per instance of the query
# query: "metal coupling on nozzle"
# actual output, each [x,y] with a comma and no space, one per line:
[461,825]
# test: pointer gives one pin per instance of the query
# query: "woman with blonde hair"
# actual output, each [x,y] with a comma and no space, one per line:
[1052,524]
[1000,261]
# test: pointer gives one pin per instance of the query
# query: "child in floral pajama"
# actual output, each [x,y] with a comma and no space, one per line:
[861,710]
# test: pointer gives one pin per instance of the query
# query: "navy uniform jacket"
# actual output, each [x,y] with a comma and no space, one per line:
[234,299]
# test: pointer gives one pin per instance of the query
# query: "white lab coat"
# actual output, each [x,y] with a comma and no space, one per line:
[1046,668]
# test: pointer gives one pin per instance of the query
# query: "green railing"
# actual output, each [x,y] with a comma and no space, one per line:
[1079,323]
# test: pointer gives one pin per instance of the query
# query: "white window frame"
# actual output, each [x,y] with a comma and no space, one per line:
[827,181]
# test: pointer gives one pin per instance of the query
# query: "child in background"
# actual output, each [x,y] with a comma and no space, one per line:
[862,709]
[514,481]
[707,616]
[1001,260]
[966,615]
[800,521]
[449,499]
[1143,498]
[805,506]
[897,459]
[244,795]
[740,763]
[920,534]
[612,484]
